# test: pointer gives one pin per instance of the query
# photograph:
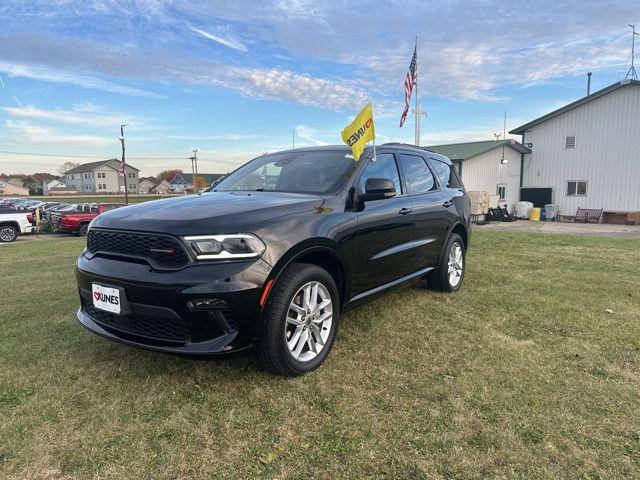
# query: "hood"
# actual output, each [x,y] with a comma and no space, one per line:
[207,213]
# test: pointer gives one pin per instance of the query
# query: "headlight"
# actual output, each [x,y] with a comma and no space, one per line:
[225,247]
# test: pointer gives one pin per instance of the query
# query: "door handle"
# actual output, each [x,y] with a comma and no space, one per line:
[405,211]
[448,203]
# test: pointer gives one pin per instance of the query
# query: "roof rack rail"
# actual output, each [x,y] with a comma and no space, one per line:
[400,144]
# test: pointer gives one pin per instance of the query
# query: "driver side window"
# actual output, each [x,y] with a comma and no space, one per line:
[384,167]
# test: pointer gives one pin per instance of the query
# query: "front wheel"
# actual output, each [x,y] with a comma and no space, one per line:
[450,273]
[300,322]
[8,233]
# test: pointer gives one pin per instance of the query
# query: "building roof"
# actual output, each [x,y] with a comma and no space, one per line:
[15,182]
[91,166]
[185,178]
[210,177]
[464,151]
[576,104]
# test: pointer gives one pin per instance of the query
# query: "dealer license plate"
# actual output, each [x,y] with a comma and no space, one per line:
[105,298]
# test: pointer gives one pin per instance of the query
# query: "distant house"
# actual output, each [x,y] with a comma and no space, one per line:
[48,185]
[16,181]
[179,183]
[182,182]
[146,185]
[13,186]
[102,177]
[491,166]
[162,188]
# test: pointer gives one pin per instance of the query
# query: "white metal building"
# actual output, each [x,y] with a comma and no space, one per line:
[491,166]
[588,152]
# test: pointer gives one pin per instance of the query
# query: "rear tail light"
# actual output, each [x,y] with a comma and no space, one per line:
[30,217]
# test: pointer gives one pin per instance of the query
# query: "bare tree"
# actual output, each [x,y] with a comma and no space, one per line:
[66,166]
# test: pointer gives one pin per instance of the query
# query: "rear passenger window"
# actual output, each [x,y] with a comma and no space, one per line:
[417,174]
[384,167]
[444,172]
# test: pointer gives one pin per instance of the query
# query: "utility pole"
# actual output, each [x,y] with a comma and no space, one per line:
[589,83]
[194,167]
[123,165]
[632,74]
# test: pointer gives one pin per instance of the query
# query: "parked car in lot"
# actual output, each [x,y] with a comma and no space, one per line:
[270,257]
[14,223]
[52,217]
[77,223]
[9,201]
[28,205]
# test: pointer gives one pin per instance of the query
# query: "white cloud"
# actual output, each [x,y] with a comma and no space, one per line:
[80,117]
[309,134]
[47,74]
[298,88]
[470,54]
[227,41]
[20,131]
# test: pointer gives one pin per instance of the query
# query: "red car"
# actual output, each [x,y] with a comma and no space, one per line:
[77,223]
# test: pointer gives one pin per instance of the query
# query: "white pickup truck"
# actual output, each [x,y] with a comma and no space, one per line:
[14,223]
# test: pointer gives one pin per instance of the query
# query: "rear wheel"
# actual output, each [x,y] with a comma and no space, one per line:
[8,233]
[300,322]
[450,273]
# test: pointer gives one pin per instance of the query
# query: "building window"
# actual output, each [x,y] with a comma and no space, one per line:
[570,141]
[577,188]
[104,186]
[501,191]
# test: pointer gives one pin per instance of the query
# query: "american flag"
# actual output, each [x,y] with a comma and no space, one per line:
[121,170]
[409,82]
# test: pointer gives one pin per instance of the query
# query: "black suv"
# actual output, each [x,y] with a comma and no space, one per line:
[268,258]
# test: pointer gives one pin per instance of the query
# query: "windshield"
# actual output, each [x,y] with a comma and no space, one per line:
[298,172]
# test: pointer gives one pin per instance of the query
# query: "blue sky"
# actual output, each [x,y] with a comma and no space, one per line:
[235,78]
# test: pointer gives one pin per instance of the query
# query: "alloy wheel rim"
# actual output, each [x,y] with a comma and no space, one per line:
[7,234]
[309,320]
[455,264]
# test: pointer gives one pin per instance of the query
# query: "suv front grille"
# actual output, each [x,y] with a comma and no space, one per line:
[171,330]
[160,250]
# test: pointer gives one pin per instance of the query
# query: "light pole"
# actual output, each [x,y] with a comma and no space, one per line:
[194,167]
[123,165]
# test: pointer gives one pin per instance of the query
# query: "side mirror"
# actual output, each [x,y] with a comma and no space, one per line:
[378,188]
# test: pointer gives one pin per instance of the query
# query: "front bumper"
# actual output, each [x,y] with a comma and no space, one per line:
[204,309]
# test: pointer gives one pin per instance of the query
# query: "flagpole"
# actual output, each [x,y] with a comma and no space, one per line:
[417,110]
[374,137]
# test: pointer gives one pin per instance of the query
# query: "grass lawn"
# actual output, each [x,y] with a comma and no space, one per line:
[522,374]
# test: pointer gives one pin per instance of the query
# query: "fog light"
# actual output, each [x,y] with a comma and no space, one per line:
[207,304]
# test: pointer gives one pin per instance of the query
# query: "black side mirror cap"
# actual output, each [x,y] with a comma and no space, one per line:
[378,189]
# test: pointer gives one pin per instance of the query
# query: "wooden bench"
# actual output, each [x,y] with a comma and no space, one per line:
[617,217]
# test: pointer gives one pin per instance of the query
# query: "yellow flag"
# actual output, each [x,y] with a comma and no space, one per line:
[360,131]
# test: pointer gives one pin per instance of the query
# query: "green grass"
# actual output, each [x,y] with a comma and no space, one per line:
[522,374]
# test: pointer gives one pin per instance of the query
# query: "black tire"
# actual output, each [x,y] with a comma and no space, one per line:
[8,233]
[82,230]
[438,279]
[272,352]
